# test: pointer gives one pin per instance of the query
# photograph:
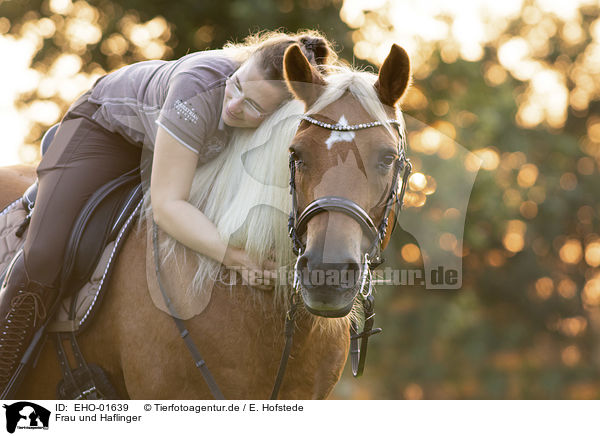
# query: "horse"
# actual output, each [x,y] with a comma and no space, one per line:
[240,329]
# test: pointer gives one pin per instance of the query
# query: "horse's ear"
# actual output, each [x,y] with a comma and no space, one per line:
[302,79]
[394,76]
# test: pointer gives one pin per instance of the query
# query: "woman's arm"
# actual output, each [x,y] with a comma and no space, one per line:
[173,169]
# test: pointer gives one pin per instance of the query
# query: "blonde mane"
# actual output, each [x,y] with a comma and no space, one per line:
[245,192]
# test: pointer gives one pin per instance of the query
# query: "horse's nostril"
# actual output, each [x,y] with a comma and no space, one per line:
[315,274]
[349,273]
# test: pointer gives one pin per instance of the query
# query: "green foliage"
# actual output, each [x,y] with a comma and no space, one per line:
[189,25]
[499,336]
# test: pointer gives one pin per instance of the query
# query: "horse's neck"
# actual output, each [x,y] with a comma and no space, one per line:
[271,313]
[13,182]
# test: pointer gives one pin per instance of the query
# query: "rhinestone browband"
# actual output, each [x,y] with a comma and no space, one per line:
[344,127]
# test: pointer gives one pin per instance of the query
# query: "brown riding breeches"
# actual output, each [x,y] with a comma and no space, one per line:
[82,157]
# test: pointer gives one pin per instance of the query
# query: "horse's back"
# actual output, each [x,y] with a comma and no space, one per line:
[14,180]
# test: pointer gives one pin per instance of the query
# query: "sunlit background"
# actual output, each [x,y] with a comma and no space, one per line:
[516,82]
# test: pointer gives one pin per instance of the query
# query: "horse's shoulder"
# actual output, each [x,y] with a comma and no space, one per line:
[20,173]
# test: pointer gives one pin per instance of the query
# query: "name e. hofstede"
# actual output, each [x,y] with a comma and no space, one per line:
[226,408]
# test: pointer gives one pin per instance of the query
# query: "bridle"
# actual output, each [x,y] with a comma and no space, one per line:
[298,221]
[297,224]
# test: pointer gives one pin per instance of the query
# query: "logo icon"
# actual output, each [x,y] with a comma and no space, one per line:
[26,415]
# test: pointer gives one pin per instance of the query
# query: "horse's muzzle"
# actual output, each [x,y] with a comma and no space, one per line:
[328,289]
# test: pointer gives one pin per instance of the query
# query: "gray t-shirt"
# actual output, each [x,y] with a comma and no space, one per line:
[183,96]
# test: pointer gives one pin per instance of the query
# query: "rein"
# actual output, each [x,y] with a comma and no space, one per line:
[183,332]
[296,228]
[191,346]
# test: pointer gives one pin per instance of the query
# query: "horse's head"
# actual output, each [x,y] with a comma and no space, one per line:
[345,164]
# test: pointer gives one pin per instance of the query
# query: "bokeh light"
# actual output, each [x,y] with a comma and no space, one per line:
[514,237]
[411,253]
[544,287]
[592,254]
[567,288]
[571,251]
[591,292]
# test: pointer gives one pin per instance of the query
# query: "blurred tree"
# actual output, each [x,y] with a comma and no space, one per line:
[527,322]
[73,42]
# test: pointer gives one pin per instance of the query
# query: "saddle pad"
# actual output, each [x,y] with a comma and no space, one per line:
[10,220]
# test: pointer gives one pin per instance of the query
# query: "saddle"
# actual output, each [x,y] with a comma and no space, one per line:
[96,239]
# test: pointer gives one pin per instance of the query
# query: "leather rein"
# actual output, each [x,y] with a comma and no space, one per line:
[297,224]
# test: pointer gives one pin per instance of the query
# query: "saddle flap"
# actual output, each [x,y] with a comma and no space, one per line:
[175,274]
[96,227]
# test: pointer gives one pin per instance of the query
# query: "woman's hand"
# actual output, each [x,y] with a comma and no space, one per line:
[254,275]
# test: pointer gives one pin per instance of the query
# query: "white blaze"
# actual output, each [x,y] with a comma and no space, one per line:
[340,136]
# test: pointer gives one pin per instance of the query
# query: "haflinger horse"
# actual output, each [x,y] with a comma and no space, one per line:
[343,152]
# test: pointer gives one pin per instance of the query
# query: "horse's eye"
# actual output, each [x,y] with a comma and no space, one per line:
[298,161]
[387,161]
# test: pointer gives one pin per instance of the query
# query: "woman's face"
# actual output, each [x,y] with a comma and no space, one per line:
[249,98]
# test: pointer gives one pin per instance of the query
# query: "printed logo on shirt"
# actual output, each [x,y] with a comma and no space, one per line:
[186,111]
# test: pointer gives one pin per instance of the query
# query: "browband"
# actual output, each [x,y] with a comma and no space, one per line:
[345,127]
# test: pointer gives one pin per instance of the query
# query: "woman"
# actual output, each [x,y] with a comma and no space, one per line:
[184,111]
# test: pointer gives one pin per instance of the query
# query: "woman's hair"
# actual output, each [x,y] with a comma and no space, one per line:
[270,47]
